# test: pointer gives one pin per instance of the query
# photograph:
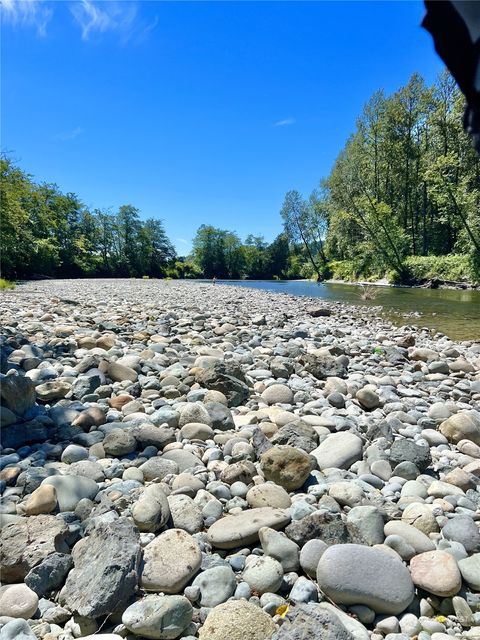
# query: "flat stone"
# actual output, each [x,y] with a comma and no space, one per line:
[237,620]
[105,573]
[170,561]
[119,372]
[162,617]
[157,468]
[242,529]
[436,572]
[356,574]
[338,450]
[414,537]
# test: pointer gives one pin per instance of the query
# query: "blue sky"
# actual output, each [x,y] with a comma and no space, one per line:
[197,112]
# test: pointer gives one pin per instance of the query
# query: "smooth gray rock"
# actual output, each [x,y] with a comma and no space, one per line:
[338,450]
[151,511]
[17,630]
[242,529]
[462,528]
[162,617]
[356,574]
[216,585]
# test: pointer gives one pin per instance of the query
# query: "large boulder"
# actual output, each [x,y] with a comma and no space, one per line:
[17,393]
[227,379]
[105,573]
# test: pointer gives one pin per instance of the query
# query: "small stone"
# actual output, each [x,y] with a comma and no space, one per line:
[470,570]
[277,394]
[18,601]
[162,617]
[268,494]
[338,450]
[436,572]
[42,500]
[216,585]
[464,425]
[310,555]
[278,546]
[368,398]
[286,466]
[463,529]
[263,574]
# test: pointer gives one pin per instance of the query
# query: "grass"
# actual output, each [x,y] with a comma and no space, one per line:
[6,284]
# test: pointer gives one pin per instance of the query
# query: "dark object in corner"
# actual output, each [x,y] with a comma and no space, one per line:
[455,28]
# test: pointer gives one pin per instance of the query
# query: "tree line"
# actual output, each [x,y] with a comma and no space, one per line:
[402,201]
[404,189]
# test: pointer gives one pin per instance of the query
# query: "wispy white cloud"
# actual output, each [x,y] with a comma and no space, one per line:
[122,18]
[284,123]
[182,241]
[70,135]
[27,13]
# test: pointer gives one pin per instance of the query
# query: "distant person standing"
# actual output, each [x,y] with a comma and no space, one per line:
[214,280]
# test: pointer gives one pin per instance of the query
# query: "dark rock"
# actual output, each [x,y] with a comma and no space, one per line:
[322,367]
[297,434]
[319,312]
[225,378]
[221,416]
[328,527]
[17,394]
[105,574]
[408,450]
[50,574]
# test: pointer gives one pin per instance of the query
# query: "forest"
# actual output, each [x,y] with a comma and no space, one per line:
[402,202]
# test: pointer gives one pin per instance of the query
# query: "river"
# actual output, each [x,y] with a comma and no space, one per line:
[451,311]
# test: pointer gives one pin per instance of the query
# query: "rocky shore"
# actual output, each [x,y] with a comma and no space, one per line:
[183,460]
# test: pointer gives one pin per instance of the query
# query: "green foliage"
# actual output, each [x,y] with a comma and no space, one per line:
[452,267]
[6,284]
[46,232]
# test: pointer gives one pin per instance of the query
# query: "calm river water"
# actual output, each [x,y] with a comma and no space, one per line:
[453,312]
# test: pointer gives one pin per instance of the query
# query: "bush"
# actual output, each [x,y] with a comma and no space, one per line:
[6,284]
[458,268]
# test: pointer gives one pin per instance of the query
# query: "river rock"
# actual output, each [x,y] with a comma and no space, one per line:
[268,494]
[119,442]
[170,561]
[463,529]
[286,466]
[237,620]
[470,570]
[355,574]
[436,572]
[151,511]
[105,573]
[18,601]
[339,450]
[216,585]
[158,468]
[71,489]
[464,425]
[278,546]
[17,393]
[42,500]
[17,630]
[25,543]
[242,529]
[50,574]
[119,372]
[162,617]
[277,394]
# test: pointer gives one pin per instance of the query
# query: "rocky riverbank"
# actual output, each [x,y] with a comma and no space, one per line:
[183,460]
